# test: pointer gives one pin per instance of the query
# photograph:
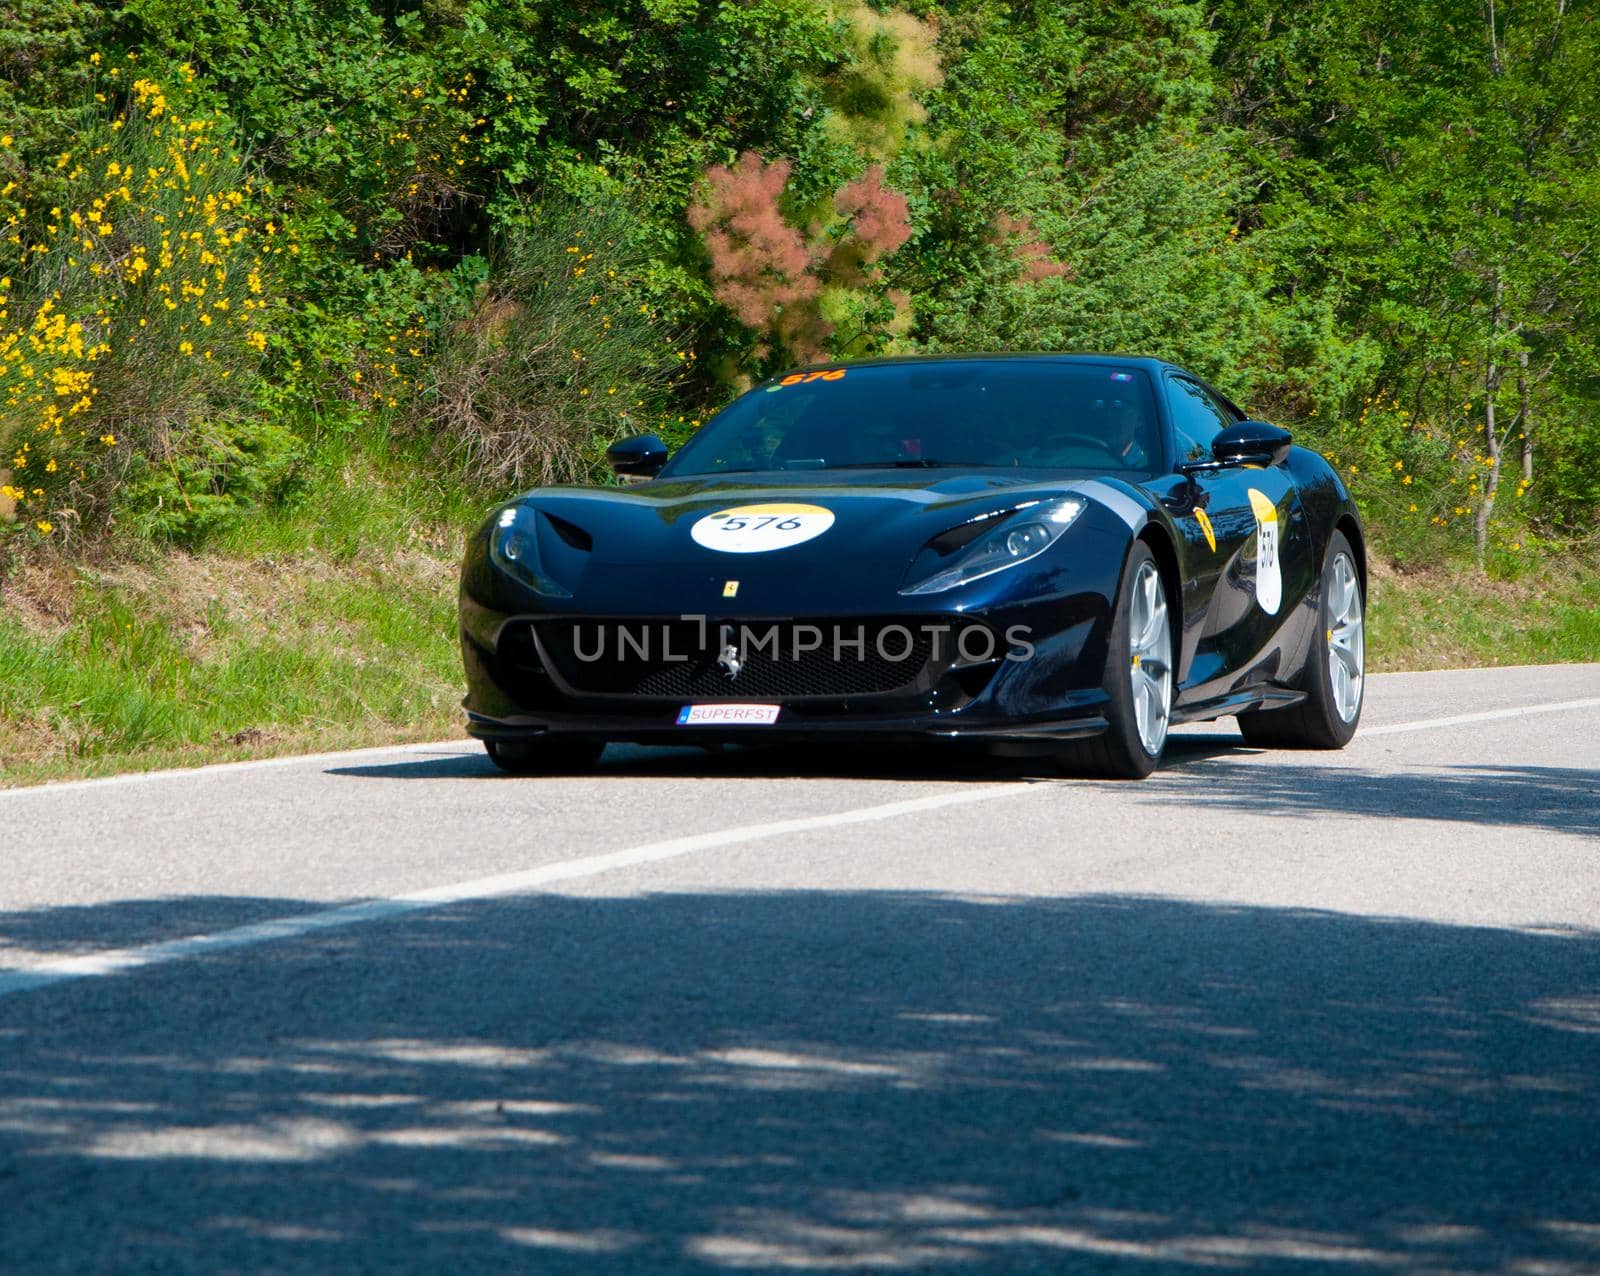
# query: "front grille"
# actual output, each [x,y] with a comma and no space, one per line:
[779,659]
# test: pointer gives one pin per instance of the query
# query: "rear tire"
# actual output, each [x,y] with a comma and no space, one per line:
[543,757]
[1138,680]
[1334,676]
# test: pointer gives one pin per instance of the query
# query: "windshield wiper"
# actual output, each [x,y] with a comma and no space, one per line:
[813,465]
[905,463]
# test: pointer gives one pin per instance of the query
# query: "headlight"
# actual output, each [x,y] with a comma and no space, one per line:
[1026,534]
[514,549]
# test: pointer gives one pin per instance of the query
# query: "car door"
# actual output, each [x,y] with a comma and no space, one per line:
[1247,556]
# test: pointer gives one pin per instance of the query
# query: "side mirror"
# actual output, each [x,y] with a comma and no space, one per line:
[642,456]
[1252,443]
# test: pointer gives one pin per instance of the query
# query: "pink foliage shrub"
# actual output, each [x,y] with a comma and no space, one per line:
[759,263]
[879,222]
[768,273]
[1032,254]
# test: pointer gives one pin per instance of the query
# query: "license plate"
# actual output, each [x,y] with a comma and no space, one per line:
[728,715]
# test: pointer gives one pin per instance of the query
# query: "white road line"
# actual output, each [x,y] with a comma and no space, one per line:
[1488,715]
[118,960]
[246,764]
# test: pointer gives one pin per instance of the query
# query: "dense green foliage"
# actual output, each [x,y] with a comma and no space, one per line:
[515,229]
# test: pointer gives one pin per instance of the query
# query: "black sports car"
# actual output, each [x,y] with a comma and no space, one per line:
[1059,552]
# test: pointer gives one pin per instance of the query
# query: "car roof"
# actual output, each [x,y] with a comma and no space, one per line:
[1057,356]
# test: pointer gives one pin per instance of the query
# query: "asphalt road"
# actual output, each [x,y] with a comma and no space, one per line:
[390,1011]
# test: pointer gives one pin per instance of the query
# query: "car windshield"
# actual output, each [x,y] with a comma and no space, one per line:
[967,413]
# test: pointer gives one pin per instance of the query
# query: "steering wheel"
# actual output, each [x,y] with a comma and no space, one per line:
[1068,437]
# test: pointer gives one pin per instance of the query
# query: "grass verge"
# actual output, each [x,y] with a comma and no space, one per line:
[188,659]
[1454,618]
[326,624]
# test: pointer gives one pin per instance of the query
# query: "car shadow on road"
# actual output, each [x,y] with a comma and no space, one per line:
[932,761]
[846,1080]
[1213,772]
[1562,799]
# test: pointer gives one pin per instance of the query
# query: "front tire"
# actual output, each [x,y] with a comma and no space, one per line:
[1138,680]
[1334,677]
[543,756]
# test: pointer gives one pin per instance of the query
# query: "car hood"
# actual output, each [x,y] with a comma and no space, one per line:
[642,539]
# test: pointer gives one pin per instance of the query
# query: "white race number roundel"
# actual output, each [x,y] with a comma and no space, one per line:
[754,529]
[1269,573]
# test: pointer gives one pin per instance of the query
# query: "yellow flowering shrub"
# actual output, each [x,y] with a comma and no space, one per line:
[134,312]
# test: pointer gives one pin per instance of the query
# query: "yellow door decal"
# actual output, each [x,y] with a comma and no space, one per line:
[1205,526]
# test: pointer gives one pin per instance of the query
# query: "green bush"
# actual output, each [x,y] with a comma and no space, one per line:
[210,477]
[555,356]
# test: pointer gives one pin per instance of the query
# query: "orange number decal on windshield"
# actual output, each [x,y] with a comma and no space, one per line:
[805,378]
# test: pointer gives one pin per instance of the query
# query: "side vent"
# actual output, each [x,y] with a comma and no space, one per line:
[570,533]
